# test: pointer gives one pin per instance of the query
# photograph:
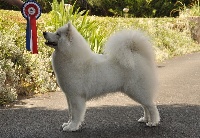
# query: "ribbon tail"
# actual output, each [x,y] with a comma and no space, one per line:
[28,34]
[34,35]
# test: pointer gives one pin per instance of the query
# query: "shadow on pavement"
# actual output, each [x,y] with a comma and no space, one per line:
[107,121]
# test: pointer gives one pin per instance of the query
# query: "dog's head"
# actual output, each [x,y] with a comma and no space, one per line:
[68,41]
[62,35]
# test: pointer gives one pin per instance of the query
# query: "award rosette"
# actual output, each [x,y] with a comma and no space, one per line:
[31,11]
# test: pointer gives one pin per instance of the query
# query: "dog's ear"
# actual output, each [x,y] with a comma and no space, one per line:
[69,26]
[69,30]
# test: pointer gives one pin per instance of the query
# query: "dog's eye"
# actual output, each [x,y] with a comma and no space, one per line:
[57,34]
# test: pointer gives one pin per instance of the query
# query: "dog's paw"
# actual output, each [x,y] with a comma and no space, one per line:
[64,124]
[70,127]
[152,124]
[142,120]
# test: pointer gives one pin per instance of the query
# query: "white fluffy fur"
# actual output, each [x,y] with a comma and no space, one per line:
[127,65]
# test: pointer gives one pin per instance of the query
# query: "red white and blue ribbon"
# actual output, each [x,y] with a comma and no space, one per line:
[31,11]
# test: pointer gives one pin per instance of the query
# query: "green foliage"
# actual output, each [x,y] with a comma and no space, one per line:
[137,8]
[193,9]
[8,78]
[45,5]
[170,36]
[22,73]
[62,14]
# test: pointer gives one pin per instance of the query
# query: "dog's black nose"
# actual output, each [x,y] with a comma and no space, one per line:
[44,33]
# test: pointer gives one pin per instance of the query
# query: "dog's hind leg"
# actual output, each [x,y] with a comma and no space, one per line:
[151,114]
[77,107]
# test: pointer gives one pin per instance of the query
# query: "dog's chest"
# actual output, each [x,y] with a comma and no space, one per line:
[62,66]
[59,64]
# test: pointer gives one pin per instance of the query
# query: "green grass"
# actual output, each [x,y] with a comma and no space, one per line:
[170,36]
[26,74]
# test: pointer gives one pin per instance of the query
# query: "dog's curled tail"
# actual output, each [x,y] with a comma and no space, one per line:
[126,45]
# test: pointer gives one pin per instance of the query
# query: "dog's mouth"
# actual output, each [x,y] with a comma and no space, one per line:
[51,43]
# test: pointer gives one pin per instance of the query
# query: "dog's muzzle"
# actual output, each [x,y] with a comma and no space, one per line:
[48,42]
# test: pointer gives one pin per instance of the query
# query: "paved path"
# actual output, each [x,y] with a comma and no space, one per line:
[115,116]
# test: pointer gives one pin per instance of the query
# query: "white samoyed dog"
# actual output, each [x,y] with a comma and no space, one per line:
[127,65]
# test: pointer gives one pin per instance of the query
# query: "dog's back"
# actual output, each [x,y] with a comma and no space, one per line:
[126,45]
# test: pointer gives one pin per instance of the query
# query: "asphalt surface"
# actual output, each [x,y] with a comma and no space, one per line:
[115,116]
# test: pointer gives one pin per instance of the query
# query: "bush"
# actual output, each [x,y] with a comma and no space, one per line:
[45,5]
[22,73]
[137,8]
[62,14]
[8,78]
[170,36]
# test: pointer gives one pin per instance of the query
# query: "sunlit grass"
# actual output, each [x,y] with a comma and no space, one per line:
[170,37]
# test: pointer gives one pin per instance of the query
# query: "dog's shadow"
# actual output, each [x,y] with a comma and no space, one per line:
[106,121]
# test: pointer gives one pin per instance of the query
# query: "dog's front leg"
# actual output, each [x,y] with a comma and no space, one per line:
[69,112]
[77,109]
